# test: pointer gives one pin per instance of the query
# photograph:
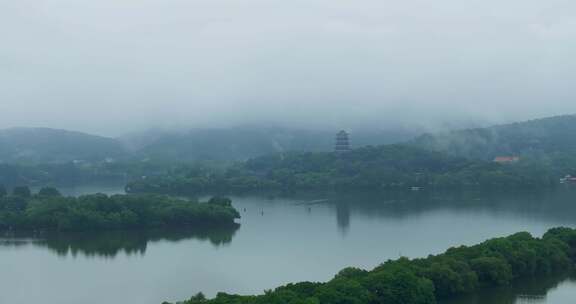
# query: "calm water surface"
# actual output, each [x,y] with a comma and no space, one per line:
[280,240]
[559,289]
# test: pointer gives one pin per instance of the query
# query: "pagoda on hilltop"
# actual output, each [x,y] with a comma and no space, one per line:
[342,144]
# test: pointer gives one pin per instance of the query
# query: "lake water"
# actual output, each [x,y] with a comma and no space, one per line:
[555,289]
[280,240]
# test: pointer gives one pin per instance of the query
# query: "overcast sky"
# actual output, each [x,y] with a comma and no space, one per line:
[113,66]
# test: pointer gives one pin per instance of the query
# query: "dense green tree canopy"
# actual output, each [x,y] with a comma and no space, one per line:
[496,262]
[382,167]
[49,211]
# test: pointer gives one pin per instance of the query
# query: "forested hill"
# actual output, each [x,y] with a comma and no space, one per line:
[41,155]
[241,143]
[43,145]
[381,167]
[538,138]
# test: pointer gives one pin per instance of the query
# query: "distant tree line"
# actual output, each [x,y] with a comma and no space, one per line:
[460,270]
[381,167]
[49,210]
[60,173]
[83,172]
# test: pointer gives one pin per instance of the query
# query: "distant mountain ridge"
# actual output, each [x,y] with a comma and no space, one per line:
[538,137]
[546,151]
[243,143]
[45,145]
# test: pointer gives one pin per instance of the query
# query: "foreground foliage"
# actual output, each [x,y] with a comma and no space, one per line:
[496,262]
[48,210]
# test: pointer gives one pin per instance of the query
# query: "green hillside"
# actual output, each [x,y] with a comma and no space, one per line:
[43,145]
[400,167]
[247,142]
[547,137]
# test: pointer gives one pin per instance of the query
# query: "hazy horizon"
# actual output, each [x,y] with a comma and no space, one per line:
[114,67]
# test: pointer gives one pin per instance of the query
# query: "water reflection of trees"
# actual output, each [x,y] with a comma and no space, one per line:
[533,290]
[556,206]
[553,206]
[111,243]
[343,217]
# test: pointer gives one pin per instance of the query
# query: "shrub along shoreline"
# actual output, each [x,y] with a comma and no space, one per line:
[48,210]
[460,270]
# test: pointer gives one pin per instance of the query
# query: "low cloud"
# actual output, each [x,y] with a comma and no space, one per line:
[112,67]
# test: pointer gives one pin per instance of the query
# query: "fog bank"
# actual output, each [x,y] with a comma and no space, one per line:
[116,66]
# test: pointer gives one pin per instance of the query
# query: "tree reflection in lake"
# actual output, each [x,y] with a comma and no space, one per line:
[552,206]
[111,243]
[313,236]
[343,217]
[544,290]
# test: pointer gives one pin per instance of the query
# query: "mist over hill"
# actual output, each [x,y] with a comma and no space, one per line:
[242,143]
[546,136]
[30,155]
[44,145]
[536,138]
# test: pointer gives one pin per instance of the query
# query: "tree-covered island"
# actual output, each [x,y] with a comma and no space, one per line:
[48,210]
[460,270]
[396,167]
